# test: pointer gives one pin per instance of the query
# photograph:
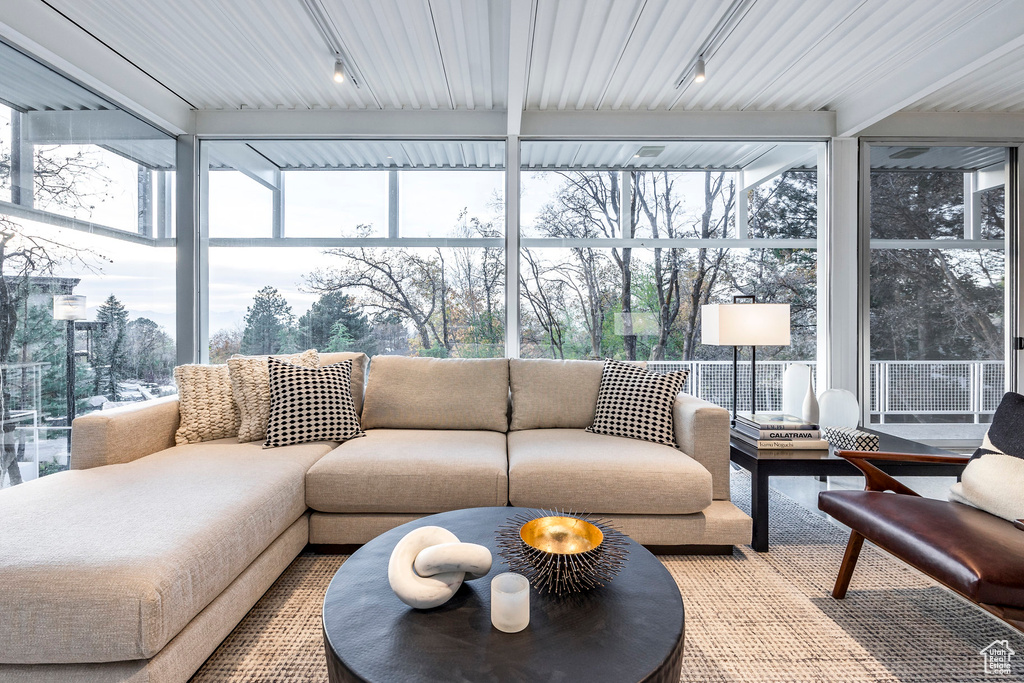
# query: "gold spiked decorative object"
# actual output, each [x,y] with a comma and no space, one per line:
[562,552]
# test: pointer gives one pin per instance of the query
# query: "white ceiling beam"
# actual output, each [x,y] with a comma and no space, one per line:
[243,158]
[990,177]
[986,38]
[519,39]
[96,127]
[37,29]
[322,123]
[1002,126]
[656,125]
[773,163]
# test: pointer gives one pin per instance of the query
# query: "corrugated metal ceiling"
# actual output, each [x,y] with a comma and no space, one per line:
[235,54]
[676,155]
[936,158]
[999,87]
[377,154]
[801,55]
[27,85]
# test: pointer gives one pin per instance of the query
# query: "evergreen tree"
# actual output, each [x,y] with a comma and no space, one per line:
[269,324]
[335,323]
[110,348]
[150,351]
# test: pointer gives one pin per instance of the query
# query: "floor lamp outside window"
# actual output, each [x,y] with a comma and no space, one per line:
[69,308]
[745,324]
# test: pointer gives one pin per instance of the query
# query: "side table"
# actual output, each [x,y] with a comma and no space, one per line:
[763,465]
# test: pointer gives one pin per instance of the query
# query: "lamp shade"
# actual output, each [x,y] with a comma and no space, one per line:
[745,324]
[68,307]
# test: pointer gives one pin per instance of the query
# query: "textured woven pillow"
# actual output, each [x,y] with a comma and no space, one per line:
[205,403]
[636,404]
[250,385]
[993,480]
[311,404]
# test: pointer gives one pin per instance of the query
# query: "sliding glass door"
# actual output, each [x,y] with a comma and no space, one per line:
[936,288]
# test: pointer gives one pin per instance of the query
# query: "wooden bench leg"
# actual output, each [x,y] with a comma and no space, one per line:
[846,568]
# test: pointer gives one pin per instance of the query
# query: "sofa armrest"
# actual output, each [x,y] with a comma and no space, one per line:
[702,432]
[123,434]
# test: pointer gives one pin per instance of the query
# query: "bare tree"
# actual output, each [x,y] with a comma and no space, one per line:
[544,296]
[395,281]
[591,205]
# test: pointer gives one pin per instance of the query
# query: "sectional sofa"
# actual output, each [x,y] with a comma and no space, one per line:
[138,562]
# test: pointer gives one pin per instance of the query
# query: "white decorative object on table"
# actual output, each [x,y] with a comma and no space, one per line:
[795,381]
[848,439]
[510,602]
[429,564]
[838,408]
[809,410]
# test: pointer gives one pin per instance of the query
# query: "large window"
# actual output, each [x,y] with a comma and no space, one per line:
[624,242]
[937,288]
[390,247]
[86,209]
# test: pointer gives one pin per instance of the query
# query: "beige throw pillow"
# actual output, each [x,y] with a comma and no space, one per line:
[205,403]
[250,385]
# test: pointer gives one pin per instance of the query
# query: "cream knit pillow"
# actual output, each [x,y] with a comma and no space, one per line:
[205,403]
[250,385]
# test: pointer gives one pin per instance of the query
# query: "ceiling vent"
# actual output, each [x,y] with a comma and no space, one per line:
[908,153]
[650,151]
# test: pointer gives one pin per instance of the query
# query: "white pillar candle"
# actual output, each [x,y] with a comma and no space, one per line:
[510,602]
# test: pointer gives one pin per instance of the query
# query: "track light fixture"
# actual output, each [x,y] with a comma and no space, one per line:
[698,70]
[339,71]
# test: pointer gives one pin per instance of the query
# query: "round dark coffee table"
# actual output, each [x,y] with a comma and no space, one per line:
[629,630]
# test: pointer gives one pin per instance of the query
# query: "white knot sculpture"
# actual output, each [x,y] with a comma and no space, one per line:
[429,564]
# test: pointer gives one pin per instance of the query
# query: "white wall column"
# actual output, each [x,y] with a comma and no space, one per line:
[22,162]
[186,163]
[838,341]
[393,229]
[512,246]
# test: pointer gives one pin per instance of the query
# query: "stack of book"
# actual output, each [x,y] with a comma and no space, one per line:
[778,432]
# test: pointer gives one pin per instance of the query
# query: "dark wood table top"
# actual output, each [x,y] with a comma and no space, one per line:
[629,630]
[886,443]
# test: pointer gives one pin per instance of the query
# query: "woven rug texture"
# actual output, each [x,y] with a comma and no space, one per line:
[761,617]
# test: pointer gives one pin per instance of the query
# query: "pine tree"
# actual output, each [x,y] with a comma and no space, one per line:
[269,324]
[110,357]
[335,323]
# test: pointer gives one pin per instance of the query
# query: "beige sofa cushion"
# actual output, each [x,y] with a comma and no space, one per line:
[554,394]
[250,385]
[206,404]
[436,393]
[135,551]
[574,469]
[411,470]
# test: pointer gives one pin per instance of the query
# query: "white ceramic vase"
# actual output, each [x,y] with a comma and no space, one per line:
[838,408]
[809,410]
[794,387]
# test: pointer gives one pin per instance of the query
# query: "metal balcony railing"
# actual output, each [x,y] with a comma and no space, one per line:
[965,389]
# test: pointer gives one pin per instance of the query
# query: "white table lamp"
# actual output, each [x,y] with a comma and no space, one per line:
[745,324]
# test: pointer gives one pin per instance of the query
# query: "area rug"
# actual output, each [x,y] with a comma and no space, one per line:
[749,617]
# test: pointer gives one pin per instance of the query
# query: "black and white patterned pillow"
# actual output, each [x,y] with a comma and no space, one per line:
[310,404]
[636,404]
